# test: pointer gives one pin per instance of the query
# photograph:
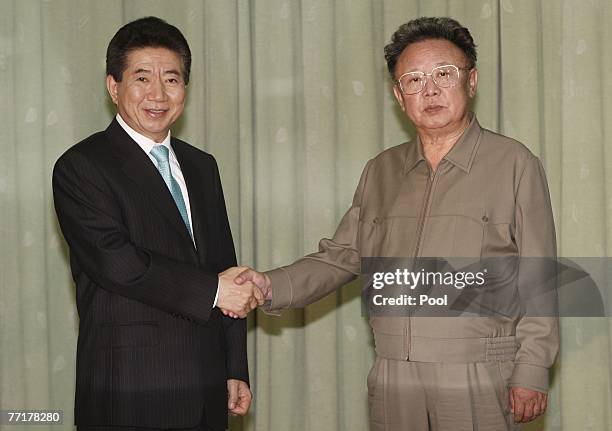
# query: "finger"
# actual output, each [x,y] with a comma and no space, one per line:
[240,408]
[244,401]
[519,409]
[537,408]
[230,314]
[257,278]
[258,296]
[232,394]
[544,403]
[267,289]
[511,398]
[528,412]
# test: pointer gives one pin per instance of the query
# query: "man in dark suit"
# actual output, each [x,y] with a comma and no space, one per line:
[144,217]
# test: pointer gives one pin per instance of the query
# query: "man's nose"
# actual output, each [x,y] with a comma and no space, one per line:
[430,88]
[157,91]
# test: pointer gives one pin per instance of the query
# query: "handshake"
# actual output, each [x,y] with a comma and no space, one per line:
[242,289]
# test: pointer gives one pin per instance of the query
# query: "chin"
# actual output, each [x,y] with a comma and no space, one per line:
[156,127]
[434,124]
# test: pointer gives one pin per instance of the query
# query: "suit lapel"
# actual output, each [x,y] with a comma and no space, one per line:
[139,168]
[197,196]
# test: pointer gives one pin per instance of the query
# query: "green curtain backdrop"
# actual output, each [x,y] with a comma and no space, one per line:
[292,97]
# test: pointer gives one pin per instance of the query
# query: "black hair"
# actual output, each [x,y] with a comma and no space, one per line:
[425,28]
[148,32]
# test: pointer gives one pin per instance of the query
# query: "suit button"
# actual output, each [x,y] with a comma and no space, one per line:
[376,220]
[485,219]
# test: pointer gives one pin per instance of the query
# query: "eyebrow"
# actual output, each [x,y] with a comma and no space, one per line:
[167,72]
[440,63]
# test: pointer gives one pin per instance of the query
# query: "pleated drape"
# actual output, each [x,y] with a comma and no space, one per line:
[293,97]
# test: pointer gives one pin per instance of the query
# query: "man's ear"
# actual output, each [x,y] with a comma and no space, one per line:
[398,96]
[111,87]
[473,82]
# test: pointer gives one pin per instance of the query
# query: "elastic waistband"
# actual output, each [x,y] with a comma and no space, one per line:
[458,350]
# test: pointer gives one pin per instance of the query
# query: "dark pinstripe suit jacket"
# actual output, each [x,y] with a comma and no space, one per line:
[152,351]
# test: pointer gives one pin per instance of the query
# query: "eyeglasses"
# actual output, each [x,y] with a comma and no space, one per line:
[443,76]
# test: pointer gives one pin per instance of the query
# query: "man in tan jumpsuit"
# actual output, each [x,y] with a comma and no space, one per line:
[457,190]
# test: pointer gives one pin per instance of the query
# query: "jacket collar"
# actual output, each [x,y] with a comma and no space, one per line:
[139,168]
[461,154]
[197,194]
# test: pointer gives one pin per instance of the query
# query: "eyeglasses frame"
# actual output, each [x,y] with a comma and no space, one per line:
[425,75]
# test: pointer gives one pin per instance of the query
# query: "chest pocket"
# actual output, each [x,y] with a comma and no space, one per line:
[390,236]
[455,232]
[471,232]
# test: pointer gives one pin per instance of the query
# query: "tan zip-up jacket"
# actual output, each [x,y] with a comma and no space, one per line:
[488,197]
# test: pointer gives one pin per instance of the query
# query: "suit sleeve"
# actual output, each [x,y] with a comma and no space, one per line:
[537,332]
[234,329]
[336,263]
[91,222]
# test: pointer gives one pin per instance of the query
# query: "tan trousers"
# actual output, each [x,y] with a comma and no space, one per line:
[425,396]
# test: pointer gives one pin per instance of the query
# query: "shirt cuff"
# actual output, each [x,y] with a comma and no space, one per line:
[282,295]
[530,376]
[217,294]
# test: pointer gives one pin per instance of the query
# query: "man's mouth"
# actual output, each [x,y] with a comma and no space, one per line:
[155,113]
[433,109]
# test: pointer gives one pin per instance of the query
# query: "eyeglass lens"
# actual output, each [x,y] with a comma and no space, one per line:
[443,76]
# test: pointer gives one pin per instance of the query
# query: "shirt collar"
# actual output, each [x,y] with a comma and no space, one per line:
[461,154]
[143,142]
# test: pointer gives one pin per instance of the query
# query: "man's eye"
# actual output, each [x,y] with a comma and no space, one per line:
[173,81]
[141,79]
[415,79]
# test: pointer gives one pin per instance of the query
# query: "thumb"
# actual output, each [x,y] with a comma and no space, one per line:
[232,395]
[243,276]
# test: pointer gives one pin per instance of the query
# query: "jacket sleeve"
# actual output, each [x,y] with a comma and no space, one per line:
[336,263]
[91,222]
[537,332]
[234,330]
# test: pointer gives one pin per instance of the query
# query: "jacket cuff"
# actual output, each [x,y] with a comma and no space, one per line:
[282,293]
[238,373]
[531,377]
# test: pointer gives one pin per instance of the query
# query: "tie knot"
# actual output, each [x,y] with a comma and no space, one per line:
[161,153]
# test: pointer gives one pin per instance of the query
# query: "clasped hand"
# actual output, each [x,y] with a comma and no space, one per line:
[242,289]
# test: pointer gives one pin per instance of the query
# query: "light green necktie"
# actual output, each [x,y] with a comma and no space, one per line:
[161,153]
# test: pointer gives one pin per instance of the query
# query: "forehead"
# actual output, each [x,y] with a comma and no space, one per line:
[154,57]
[426,54]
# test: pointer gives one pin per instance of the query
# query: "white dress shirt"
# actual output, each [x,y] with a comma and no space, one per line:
[147,145]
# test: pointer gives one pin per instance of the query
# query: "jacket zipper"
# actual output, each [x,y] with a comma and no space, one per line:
[420,228]
[430,180]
